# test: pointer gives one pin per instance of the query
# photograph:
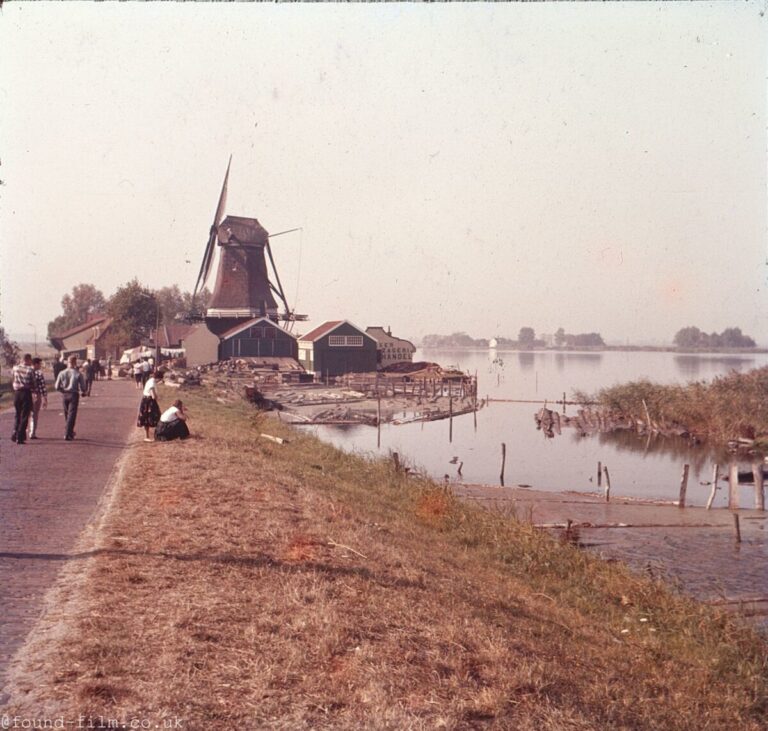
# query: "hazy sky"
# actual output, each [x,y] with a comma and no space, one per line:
[454,167]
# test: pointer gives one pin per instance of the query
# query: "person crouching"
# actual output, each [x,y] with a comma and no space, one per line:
[173,423]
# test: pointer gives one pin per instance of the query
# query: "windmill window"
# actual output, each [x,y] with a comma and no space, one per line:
[340,341]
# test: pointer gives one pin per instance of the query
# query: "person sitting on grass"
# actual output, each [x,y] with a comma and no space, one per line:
[149,409]
[173,423]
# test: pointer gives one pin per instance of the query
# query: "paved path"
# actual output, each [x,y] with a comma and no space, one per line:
[49,489]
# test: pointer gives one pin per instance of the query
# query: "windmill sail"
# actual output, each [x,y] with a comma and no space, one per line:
[205,267]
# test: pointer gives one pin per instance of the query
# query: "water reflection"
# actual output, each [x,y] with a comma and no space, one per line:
[678,448]
[692,366]
[526,360]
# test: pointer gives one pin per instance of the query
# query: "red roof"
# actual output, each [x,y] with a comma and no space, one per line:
[323,329]
[95,320]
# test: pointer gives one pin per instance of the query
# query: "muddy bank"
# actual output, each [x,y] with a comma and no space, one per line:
[694,548]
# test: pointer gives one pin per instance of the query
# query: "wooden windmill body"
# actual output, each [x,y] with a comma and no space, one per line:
[243,287]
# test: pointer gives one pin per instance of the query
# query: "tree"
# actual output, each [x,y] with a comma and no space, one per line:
[9,350]
[560,337]
[689,337]
[732,337]
[134,310]
[526,336]
[175,304]
[78,307]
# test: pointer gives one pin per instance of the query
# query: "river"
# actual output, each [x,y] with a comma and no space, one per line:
[638,467]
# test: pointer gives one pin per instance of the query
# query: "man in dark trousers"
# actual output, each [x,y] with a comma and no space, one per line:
[58,367]
[23,383]
[71,384]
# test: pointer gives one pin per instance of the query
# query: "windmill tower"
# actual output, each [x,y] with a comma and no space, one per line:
[243,288]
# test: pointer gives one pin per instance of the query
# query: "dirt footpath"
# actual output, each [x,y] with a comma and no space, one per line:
[49,490]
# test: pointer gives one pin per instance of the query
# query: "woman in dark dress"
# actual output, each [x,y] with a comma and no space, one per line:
[173,423]
[149,409]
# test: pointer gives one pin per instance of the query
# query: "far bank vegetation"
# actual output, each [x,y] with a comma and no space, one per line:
[729,407]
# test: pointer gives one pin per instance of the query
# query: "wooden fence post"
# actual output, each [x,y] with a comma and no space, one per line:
[757,473]
[715,478]
[733,486]
[683,486]
[736,527]
[503,462]
[607,485]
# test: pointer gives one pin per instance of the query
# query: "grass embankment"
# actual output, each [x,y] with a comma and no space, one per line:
[728,407]
[246,585]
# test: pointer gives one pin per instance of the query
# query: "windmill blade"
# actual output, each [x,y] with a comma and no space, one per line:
[205,266]
[208,254]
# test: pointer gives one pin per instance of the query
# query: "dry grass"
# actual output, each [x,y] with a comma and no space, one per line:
[731,406]
[246,585]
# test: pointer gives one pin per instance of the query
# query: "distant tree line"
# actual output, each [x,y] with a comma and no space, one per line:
[526,339]
[579,340]
[731,337]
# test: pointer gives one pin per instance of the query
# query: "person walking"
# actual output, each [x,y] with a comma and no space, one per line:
[58,366]
[149,409]
[137,374]
[89,373]
[71,384]
[23,383]
[146,371]
[39,396]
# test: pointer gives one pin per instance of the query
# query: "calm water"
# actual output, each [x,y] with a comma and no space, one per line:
[568,462]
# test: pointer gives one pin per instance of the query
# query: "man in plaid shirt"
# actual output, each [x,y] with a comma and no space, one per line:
[39,396]
[23,383]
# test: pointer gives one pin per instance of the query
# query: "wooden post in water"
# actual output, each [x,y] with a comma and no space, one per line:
[378,416]
[733,486]
[599,474]
[503,462]
[607,485]
[736,527]
[647,416]
[757,472]
[683,486]
[450,418]
[563,402]
[715,478]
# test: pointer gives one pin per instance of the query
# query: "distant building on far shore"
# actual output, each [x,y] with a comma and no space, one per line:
[390,349]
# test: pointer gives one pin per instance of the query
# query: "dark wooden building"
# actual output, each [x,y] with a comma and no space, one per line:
[257,338]
[337,347]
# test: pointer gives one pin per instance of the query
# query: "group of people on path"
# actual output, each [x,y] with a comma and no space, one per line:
[170,424]
[30,394]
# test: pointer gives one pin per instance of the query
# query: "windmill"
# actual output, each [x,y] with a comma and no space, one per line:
[243,287]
